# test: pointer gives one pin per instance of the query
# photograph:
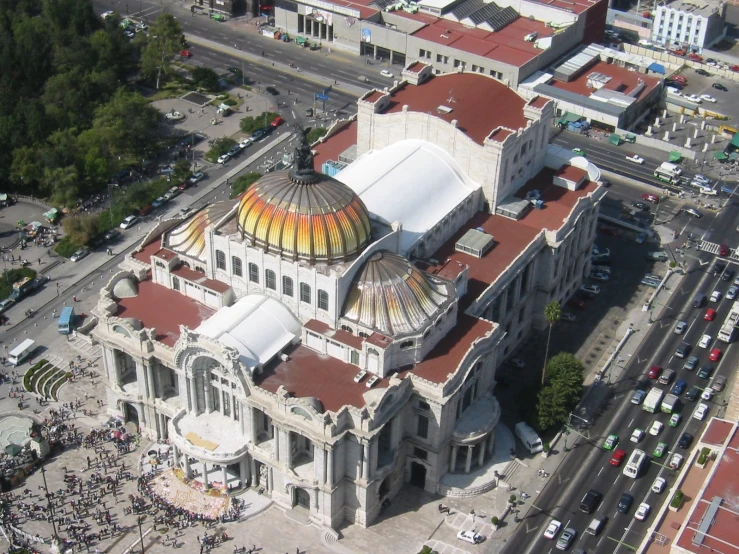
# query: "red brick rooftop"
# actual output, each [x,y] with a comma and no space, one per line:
[151,249]
[200,279]
[470,91]
[163,309]
[622,80]
[416,66]
[717,432]
[335,145]
[539,102]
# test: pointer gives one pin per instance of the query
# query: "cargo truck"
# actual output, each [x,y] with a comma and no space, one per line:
[653,400]
[24,287]
[669,404]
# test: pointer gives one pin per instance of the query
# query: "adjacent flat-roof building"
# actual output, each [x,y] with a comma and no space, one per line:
[690,24]
[504,39]
[330,336]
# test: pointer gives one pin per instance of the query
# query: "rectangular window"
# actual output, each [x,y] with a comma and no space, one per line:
[438,58]
[226,404]
[305,293]
[175,283]
[423,405]
[215,394]
[253,273]
[354,357]
[287,286]
[270,279]
[236,266]
[322,300]
[236,411]
[220,260]
[422,427]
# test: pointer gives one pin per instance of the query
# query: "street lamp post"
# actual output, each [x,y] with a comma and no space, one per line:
[568,426]
[55,538]
[141,520]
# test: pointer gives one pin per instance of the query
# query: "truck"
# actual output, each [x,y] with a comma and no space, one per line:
[669,403]
[24,287]
[528,437]
[596,525]
[653,400]
[22,351]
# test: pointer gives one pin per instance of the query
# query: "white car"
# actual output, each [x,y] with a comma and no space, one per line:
[470,536]
[708,191]
[707,394]
[673,91]
[656,428]
[675,461]
[694,98]
[705,341]
[732,292]
[553,529]
[159,202]
[642,512]
[598,276]
[129,222]
[700,411]
[636,159]
[77,256]
[224,158]
[637,435]
[106,15]
[246,142]
[680,327]
[386,73]
[592,289]
[708,98]
[659,485]
[716,296]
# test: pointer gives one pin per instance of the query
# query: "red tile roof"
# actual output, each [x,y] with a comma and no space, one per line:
[558,201]
[501,134]
[416,67]
[165,254]
[163,309]
[539,101]
[149,250]
[335,145]
[717,432]
[199,278]
[571,173]
[316,326]
[344,337]
[469,92]
[622,80]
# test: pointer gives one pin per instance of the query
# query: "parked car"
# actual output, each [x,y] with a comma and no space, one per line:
[660,449]
[700,411]
[196,177]
[719,86]
[590,289]
[471,537]
[277,122]
[77,256]
[701,71]
[719,382]
[728,275]
[598,276]
[693,393]
[129,222]
[659,485]
[685,440]
[732,292]
[567,316]
[708,98]
[159,202]
[224,158]
[707,394]
[386,73]
[692,211]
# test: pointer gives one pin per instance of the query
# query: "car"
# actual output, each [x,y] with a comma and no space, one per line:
[660,449]
[685,440]
[579,152]
[675,420]
[705,371]
[590,289]
[610,231]
[701,71]
[710,314]
[234,150]
[386,73]
[624,503]
[715,355]
[716,296]
[650,282]
[679,387]
[700,411]
[159,202]
[618,457]
[711,62]
[638,397]
[173,192]
[185,54]
[259,134]
[567,316]
[272,90]
[636,159]
[637,435]
[146,210]
[597,276]
[565,539]
[719,86]
[718,267]
[129,222]
[245,142]
[77,256]
[728,275]
[705,341]
[723,250]
[656,428]
[129,34]
[641,205]
[691,363]
[692,211]
[640,238]
[719,382]
[277,121]
[233,70]
[111,234]
[708,190]
[659,485]
[196,177]
[694,98]
[653,198]
[676,460]
[224,158]
[683,350]
[680,327]
[642,512]
[577,303]
[610,442]
[707,394]
[677,51]
[517,363]
[708,98]
[732,292]
[655,371]
[471,537]
[695,57]
[106,15]
[736,282]
[693,393]
[552,529]
[184,212]
[141,27]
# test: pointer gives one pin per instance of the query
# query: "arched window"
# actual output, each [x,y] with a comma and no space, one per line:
[405,345]
[236,267]
[287,286]
[270,279]
[347,329]
[305,293]
[322,300]
[220,260]
[253,273]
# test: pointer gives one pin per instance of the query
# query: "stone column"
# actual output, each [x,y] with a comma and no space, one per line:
[453,463]
[224,469]
[253,471]
[251,428]
[244,472]
[188,469]
[208,394]
[277,443]
[288,449]
[176,456]
[491,442]
[468,463]
[205,476]
[193,395]
[481,457]
[330,466]
[151,393]
[270,479]
[365,460]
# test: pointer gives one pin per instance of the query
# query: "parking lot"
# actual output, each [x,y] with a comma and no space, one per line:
[725,100]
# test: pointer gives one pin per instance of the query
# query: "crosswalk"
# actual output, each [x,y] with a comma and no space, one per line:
[713,248]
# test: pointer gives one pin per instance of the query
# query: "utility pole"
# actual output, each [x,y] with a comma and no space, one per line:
[140,520]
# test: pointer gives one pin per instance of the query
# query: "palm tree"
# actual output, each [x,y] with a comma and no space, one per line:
[553,313]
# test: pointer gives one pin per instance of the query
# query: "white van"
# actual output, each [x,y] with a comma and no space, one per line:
[22,351]
[528,437]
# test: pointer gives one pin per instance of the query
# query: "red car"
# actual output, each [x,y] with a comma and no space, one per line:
[695,57]
[710,314]
[618,457]
[655,371]
[680,79]
[678,52]
[735,67]
[577,303]
[277,122]
[184,185]
[185,54]
[608,231]
[653,198]
[715,355]
[723,250]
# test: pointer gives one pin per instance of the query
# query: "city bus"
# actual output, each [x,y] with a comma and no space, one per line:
[635,463]
[22,351]
[728,329]
[65,325]
[667,172]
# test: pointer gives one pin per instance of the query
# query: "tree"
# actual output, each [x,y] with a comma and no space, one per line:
[553,313]
[81,230]
[181,170]
[316,133]
[250,123]
[128,124]
[166,40]
[244,182]
[205,77]
[562,390]
[219,147]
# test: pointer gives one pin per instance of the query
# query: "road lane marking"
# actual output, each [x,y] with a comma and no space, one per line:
[631,423]
[601,471]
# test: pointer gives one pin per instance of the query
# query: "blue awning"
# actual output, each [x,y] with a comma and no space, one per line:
[657,68]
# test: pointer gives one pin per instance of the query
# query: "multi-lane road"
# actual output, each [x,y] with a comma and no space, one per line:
[587,465]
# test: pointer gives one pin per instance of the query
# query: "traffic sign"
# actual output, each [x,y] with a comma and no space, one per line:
[321,97]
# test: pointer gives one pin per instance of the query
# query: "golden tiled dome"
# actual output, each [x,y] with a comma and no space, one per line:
[304,215]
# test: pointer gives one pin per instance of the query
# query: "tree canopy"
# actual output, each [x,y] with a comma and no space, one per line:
[561,391]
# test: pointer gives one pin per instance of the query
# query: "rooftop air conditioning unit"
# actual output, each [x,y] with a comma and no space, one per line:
[284,357]
[446,110]
[531,37]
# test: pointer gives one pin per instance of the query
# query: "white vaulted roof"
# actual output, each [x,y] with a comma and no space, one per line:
[257,326]
[413,182]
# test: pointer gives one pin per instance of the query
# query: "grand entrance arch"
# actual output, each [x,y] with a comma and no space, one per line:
[418,475]
[301,498]
[130,413]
